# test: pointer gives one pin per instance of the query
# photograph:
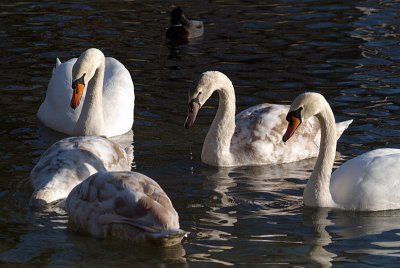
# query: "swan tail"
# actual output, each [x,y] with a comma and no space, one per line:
[342,126]
[129,153]
[58,63]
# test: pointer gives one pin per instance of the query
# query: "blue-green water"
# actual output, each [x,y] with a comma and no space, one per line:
[272,51]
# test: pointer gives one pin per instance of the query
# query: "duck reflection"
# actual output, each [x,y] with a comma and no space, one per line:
[177,49]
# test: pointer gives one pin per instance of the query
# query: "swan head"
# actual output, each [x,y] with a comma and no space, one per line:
[302,108]
[200,91]
[82,71]
[177,17]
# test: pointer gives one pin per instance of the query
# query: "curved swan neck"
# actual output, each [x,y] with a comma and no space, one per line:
[317,192]
[91,119]
[218,140]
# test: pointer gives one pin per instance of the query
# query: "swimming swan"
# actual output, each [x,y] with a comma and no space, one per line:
[368,182]
[90,177]
[254,136]
[108,103]
[70,161]
[126,205]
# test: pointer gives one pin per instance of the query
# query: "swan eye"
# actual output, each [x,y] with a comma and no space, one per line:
[81,80]
[298,112]
[193,101]
[78,81]
[75,87]
[295,113]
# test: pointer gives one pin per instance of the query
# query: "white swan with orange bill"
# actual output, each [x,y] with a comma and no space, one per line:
[91,95]
[252,137]
[368,182]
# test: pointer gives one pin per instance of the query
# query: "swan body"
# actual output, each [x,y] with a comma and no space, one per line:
[182,28]
[126,205]
[368,182]
[254,136]
[108,103]
[70,161]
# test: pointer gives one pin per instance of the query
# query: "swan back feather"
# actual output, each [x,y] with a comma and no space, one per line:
[127,205]
[71,160]
[368,182]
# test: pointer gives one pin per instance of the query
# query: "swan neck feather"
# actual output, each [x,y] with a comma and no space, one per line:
[317,192]
[91,119]
[216,148]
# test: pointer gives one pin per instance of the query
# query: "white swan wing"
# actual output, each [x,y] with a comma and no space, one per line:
[118,98]
[258,136]
[122,201]
[370,181]
[259,131]
[258,122]
[55,111]
[70,161]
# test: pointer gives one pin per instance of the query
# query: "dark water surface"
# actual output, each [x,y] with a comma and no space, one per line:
[347,50]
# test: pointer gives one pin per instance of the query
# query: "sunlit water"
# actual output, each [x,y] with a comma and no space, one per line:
[272,52]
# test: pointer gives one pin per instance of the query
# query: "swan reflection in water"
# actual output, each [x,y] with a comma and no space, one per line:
[337,226]
[47,238]
[48,136]
[230,197]
[238,207]
[317,220]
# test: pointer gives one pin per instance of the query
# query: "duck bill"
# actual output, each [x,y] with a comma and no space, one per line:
[192,113]
[77,92]
[294,123]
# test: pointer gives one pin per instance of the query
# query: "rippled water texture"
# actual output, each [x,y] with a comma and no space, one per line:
[347,50]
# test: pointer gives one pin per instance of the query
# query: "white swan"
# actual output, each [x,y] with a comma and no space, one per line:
[108,104]
[254,137]
[368,182]
[70,161]
[126,205]
[182,28]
